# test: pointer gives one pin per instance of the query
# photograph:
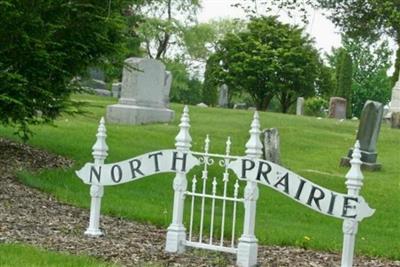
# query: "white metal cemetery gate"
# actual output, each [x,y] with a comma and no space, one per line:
[350,207]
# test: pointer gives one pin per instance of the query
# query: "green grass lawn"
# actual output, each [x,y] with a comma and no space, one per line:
[310,147]
[20,255]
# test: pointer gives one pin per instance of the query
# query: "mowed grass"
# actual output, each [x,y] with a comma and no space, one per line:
[15,255]
[309,147]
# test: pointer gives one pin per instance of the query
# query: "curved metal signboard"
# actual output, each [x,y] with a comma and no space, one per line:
[301,190]
[139,167]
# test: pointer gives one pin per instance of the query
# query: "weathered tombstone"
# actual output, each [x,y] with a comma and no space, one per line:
[202,105]
[223,96]
[271,145]
[395,120]
[116,90]
[395,100]
[300,106]
[368,132]
[337,108]
[143,96]
[240,106]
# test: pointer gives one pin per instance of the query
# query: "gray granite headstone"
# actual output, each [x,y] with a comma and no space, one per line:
[395,120]
[367,135]
[300,106]
[337,108]
[143,94]
[116,90]
[223,96]
[271,145]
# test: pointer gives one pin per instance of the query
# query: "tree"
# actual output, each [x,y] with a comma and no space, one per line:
[184,89]
[344,73]
[371,60]
[44,44]
[269,59]
[161,25]
[211,82]
[367,19]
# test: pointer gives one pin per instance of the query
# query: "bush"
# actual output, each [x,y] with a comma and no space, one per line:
[315,106]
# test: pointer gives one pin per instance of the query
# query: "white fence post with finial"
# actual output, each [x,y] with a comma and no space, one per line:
[176,235]
[350,226]
[99,153]
[247,247]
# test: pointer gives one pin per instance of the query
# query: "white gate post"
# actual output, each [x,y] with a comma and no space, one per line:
[350,226]
[99,153]
[176,234]
[247,247]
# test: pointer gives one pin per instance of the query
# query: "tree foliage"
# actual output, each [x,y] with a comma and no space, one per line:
[184,89]
[211,82]
[43,45]
[269,59]
[163,23]
[344,75]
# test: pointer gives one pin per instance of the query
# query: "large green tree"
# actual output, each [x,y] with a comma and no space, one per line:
[371,60]
[269,59]
[44,44]
[371,19]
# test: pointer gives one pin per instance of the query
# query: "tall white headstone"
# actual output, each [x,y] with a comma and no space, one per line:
[223,96]
[143,95]
[300,106]
[395,100]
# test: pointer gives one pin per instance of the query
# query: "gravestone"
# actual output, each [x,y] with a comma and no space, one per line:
[116,90]
[395,100]
[300,106]
[367,135]
[143,94]
[95,81]
[395,120]
[337,108]
[223,96]
[271,144]
[240,106]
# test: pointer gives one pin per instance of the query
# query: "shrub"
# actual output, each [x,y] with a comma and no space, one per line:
[315,106]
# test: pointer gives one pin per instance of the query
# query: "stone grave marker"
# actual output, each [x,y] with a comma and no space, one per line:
[143,94]
[223,96]
[395,100]
[395,120]
[271,147]
[116,90]
[96,82]
[300,106]
[368,133]
[337,108]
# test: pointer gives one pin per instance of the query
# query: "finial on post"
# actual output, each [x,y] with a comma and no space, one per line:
[183,139]
[100,148]
[354,176]
[254,145]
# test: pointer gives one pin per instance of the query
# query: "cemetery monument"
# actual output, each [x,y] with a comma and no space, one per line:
[223,96]
[144,94]
[300,106]
[368,133]
[271,144]
[394,110]
[337,108]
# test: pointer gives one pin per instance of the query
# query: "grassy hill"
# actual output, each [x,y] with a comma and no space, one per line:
[310,147]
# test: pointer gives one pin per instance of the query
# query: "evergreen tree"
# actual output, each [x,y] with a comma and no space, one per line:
[210,85]
[344,73]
